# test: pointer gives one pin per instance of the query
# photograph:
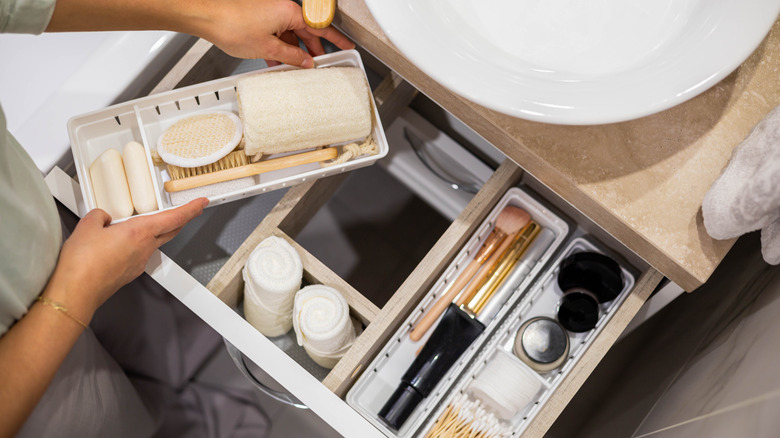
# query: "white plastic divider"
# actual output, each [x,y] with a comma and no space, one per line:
[383,375]
[235,329]
[144,119]
[541,300]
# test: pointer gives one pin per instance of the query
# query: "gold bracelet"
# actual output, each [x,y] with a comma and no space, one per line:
[61,308]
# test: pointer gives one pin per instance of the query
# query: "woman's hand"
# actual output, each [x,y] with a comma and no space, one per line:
[99,258]
[268,29]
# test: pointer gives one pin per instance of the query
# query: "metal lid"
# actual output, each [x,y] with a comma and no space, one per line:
[542,343]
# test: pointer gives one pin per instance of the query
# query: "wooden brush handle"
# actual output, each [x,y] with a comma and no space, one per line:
[471,288]
[318,13]
[192,182]
[440,306]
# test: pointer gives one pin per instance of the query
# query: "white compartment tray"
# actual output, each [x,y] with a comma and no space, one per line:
[541,300]
[143,120]
[383,375]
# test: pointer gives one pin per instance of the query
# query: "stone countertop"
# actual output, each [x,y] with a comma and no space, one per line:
[644,180]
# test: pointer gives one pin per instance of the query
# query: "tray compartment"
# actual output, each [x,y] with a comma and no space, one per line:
[98,133]
[541,300]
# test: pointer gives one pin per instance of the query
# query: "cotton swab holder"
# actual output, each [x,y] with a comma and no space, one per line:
[272,276]
[322,324]
[467,418]
[505,385]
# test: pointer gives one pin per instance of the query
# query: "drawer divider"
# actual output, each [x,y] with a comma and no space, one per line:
[316,272]
[348,369]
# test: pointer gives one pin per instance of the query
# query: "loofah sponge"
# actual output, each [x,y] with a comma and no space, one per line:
[298,109]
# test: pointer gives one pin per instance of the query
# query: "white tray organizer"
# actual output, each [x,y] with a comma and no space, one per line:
[541,300]
[145,119]
[383,375]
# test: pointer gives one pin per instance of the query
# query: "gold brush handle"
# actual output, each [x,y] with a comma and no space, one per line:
[219,176]
[521,243]
[487,269]
[318,13]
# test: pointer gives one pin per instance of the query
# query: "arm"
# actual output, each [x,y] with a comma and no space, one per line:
[95,262]
[242,28]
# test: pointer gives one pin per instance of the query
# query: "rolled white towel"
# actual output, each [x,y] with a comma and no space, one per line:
[322,324]
[272,276]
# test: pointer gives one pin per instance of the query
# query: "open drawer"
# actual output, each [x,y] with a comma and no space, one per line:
[300,203]
[216,303]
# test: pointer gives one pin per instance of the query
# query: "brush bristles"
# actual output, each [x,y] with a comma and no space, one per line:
[229,161]
[512,219]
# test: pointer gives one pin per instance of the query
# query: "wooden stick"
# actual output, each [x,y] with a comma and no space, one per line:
[192,182]
[318,13]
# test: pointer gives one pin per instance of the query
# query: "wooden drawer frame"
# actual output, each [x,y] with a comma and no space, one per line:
[204,62]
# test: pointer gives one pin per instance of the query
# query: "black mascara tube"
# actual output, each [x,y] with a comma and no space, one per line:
[452,336]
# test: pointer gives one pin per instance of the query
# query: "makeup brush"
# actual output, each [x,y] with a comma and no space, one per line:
[477,294]
[508,222]
[518,273]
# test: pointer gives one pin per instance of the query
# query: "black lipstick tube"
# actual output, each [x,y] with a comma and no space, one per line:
[455,332]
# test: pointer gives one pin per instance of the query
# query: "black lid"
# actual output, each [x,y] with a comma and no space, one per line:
[578,310]
[544,341]
[400,405]
[592,271]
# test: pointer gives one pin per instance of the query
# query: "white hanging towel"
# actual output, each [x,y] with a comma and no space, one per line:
[746,196]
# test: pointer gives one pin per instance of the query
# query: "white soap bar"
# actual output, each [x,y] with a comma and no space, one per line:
[109,184]
[139,179]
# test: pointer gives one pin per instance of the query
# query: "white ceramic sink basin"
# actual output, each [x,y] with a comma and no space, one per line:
[576,61]
[47,79]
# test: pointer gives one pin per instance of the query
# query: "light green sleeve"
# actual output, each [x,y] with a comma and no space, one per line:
[30,235]
[25,16]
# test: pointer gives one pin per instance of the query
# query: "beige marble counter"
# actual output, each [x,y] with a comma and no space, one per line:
[643,181]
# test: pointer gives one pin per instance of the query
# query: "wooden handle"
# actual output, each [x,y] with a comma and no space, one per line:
[192,182]
[440,306]
[487,267]
[318,13]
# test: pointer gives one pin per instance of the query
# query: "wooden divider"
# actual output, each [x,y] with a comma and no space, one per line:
[424,275]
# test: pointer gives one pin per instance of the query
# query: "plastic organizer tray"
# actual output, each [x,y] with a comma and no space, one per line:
[541,300]
[382,376]
[145,119]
